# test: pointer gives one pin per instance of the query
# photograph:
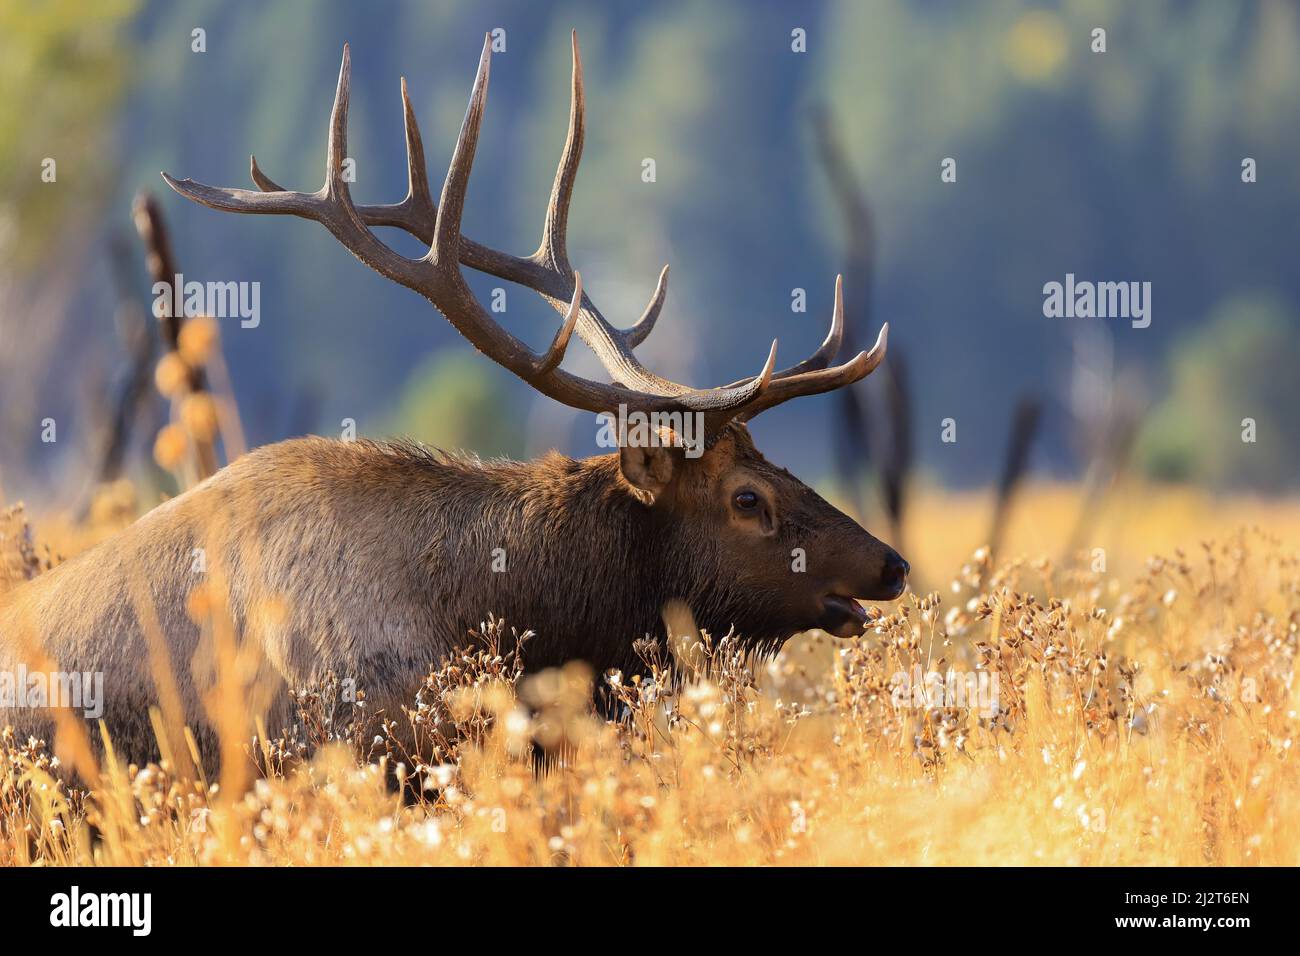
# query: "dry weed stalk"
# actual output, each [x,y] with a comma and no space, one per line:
[191,362]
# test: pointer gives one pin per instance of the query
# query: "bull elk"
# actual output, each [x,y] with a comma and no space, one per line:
[381,554]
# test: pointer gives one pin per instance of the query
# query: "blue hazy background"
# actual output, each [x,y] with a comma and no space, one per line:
[1117,166]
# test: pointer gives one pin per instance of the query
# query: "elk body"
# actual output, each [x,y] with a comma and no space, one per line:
[372,561]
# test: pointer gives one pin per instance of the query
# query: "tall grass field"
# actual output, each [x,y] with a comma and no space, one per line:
[1134,703]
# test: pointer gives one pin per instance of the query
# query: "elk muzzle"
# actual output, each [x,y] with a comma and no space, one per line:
[880,579]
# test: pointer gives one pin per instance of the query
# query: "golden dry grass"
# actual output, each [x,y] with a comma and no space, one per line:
[1146,714]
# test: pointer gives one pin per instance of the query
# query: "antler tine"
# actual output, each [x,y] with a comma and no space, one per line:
[261,180]
[612,346]
[830,346]
[819,380]
[554,247]
[445,248]
[282,202]
[643,326]
[417,177]
[336,149]
[555,354]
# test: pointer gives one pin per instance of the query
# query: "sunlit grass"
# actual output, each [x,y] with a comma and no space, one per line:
[1146,715]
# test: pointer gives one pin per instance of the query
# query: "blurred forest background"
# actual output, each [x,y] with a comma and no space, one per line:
[1116,166]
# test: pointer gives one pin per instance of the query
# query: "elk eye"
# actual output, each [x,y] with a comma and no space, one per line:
[746,500]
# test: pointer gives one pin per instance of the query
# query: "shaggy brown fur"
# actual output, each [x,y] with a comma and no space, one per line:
[373,561]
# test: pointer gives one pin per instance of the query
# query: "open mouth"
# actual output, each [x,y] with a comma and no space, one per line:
[842,616]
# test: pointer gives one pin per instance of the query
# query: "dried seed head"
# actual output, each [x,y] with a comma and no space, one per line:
[198,340]
[199,416]
[170,446]
[171,375]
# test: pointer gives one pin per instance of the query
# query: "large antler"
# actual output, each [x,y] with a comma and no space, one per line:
[437,275]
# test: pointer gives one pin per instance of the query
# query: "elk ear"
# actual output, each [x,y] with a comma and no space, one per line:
[647,468]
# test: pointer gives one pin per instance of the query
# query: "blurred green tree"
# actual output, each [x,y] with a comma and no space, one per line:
[455,400]
[63,70]
[1240,365]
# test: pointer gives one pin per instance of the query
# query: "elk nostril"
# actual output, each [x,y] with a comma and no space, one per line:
[896,570]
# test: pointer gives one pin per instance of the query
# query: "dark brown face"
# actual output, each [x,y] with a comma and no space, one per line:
[783,559]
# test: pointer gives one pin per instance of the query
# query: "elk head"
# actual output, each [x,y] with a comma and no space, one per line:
[774,557]
[730,516]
